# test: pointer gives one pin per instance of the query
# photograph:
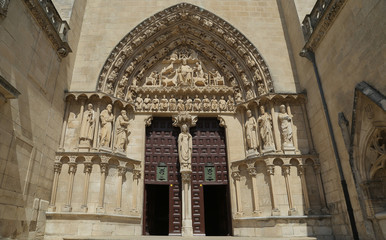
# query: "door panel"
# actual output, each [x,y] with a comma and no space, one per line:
[209,149]
[161,150]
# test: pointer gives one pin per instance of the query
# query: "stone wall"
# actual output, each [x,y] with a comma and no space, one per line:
[106,25]
[30,125]
[351,51]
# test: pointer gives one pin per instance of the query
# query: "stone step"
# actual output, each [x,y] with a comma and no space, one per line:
[189,238]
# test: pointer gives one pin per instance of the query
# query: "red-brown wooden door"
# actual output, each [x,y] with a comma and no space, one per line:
[209,150]
[161,149]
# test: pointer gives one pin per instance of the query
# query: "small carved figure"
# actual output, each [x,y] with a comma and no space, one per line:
[231,103]
[261,88]
[107,118]
[130,95]
[285,121]
[188,104]
[238,96]
[265,124]
[206,103]
[164,103]
[155,103]
[222,104]
[87,127]
[172,103]
[251,132]
[180,104]
[139,102]
[198,70]
[197,104]
[185,148]
[109,87]
[147,103]
[214,104]
[249,94]
[121,131]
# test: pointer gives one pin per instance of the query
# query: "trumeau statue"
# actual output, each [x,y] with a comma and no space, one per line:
[87,127]
[185,148]
[251,132]
[285,121]
[265,124]
[107,118]
[121,131]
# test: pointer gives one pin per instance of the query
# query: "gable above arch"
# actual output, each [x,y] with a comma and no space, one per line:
[185,47]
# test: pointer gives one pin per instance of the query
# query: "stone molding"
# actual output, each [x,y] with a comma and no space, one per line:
[274,98]
[158,36]
[51,23]
[93,216]
[103,157]
[316,24]
[7,90]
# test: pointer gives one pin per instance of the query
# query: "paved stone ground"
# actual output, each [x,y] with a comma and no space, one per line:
[191,238]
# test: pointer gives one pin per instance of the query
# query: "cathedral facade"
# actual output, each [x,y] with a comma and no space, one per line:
[219,118]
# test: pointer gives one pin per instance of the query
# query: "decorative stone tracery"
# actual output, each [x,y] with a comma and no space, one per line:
[182,46]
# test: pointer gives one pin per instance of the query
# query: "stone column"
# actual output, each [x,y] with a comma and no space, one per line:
[136,177]
[104,168]
[95,142]
[308,130]
[324,208]
[236,178]
[121,174]
[187,226]
[302,173]
[275,126]
[71,170]
[252,173]
[271,172]
[87,171]
[82,103]
[286,172]
[64,127]
[57,169]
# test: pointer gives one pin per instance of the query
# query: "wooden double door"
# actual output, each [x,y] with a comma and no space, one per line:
[210,190]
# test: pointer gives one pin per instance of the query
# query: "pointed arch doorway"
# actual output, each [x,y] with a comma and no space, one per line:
[210,190]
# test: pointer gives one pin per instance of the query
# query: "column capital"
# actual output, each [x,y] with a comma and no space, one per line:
[87,167]
[186,176]
[72,167]
[57,167]
[286,169]
[122,170]
[252,171]
[236,175]
[317,168]
[302,170]
[271,169]
[104,167]
[136,174]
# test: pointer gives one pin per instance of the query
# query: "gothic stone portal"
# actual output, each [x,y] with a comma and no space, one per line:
[210,192]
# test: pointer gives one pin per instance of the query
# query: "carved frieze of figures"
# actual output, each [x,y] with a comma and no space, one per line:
[251,132]
[121,131]
[285,122]
[106,119]
[183,68]
[86,135]
[265,127]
